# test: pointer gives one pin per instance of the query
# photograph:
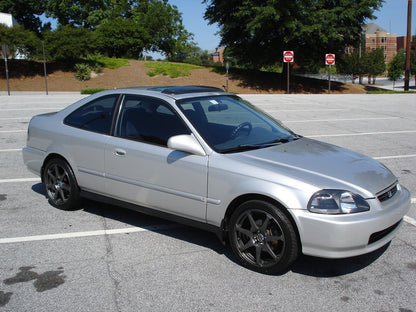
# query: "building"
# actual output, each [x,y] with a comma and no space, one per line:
[377,37]
[7,19]
[401,43]
[217,55]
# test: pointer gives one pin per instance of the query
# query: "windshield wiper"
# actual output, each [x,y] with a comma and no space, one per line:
[286,140]
[248,147]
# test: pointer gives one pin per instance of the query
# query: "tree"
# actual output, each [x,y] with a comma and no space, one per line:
[26,12]
[396,66]
[258,31]
[120,38]
[20,41]
[80,13]
[373,63]
[126,27]
[350,64]
[69,43]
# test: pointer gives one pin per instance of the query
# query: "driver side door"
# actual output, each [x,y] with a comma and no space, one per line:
[141,169]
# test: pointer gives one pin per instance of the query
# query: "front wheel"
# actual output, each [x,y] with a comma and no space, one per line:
[60,184]
[262,237]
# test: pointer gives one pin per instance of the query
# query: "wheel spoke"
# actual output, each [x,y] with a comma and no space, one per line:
[268,249]
[254,226]
[62,195]
[52,177]
[247,245]
[244,231]
[66,187]
[272,238]
[56,168]
[263,227]
[258,255]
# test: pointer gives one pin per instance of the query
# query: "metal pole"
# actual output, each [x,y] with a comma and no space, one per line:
[227,79]
[44,67]
[409,22]
[288,68]
[329,80]
[4,49]
[7,76]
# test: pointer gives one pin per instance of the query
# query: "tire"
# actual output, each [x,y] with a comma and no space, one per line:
[262,237]
[60,185]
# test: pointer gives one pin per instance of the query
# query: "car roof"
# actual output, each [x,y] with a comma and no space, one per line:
[176,92]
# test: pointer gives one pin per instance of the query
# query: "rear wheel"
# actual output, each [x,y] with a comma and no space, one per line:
[262,237]
[60,184]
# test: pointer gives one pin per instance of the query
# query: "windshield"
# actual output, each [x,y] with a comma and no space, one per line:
[229,124]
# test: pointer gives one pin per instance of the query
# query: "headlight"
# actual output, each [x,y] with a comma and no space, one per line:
[337,202]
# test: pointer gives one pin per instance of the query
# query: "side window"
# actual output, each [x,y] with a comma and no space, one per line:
[148,120]
[95,116]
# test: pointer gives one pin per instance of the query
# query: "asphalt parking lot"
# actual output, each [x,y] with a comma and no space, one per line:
[103,258]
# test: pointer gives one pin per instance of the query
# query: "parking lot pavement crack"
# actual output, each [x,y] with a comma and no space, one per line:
[110,264]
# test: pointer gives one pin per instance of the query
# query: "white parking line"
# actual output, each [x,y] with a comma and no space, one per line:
[395,156]
[12,131]
[30,109]
[305,110]
[15,118]
[33,238]
[20,180]
[86,234]
[11,150]
[410,220]
[360,133]
[343,119]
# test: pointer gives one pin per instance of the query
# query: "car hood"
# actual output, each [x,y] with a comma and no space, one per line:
[323,165]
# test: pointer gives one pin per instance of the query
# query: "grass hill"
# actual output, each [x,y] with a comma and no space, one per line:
[28,76]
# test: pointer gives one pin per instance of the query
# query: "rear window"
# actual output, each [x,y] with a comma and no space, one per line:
[95,116]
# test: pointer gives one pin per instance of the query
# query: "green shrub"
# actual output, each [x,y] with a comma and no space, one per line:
[82,72]
[173,70]
[92,91]
[112,62]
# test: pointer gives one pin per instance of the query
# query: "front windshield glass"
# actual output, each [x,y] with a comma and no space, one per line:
[229,124]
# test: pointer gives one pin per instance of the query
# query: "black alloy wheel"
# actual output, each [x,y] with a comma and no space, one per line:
[60,185]
[262,237]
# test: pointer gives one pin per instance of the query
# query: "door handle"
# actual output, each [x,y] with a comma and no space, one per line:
[119,152]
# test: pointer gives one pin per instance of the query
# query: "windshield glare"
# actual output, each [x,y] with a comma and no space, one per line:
[229,124]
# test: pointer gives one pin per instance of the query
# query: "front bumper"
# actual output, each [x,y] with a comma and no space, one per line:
[341,236]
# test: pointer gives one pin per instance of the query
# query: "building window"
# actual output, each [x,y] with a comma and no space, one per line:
[383,40]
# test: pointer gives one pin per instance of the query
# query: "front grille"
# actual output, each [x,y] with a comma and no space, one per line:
[379,235]
[388,193]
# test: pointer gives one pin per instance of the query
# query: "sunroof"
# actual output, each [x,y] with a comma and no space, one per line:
[186,89]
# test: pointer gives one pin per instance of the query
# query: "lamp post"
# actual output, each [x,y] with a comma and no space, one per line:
[408,37]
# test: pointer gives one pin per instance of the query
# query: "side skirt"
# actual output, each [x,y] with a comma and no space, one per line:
[156,213]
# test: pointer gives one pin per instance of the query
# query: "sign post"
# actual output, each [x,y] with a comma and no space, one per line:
[288,57]
[227,67]
[329,60]
[4,49]
[44,67]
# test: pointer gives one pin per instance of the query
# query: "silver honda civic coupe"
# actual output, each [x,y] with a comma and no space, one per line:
[209,159]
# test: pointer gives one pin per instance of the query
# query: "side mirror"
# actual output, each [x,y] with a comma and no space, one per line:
[186,143]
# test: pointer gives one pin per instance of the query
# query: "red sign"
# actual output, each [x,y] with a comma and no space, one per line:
[329,59]
[288,56]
